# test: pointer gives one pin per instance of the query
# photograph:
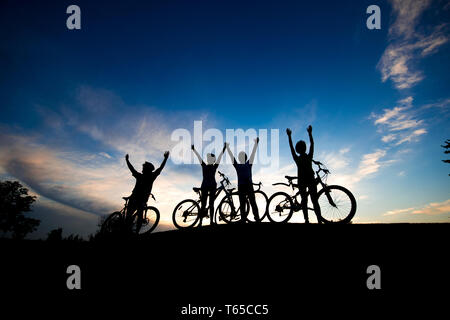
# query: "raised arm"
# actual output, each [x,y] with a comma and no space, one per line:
[311,142]
[221,154]
[230,153]
[197,154]
[252,156]
[289,133]
[130,166]
[161,167]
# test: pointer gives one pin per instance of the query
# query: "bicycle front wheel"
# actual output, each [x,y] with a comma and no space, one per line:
[280,207]
[230,210]
[150,220]
[261,202]
[186,214]
[113,223]
[337,204]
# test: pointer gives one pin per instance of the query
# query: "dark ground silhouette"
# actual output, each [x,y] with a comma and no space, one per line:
[295,268]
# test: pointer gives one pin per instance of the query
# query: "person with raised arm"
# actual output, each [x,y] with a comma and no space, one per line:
[143,187]
[305,173]
[245,182]
[209,185]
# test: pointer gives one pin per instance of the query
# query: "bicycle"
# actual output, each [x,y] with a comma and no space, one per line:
[118,221]
[187,213]
[230,213]
[338,205]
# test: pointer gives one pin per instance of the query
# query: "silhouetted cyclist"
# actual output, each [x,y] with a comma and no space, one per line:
[143,187]
[245,182]
[209,185]
[305,173]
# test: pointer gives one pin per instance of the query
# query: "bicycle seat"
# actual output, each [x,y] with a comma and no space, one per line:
[126,198]
[290,178]
[196,189]
[231,189]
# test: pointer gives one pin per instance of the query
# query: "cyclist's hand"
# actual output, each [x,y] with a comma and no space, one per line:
[127,156]
[309,129]
[224,146]
[227,145]
[257,140]
[288,131]
[166,154]
[192,147]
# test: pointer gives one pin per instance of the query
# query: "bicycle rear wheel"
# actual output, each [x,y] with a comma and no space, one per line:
[150,220]
[280,207]
[229,209]
[217,217]
[186,214]
[339,207]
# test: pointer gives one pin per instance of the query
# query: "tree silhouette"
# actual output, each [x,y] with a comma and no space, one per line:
[55,235]
[14,203]
[447,150]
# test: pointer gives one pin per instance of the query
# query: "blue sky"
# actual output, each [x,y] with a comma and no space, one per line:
[73,102]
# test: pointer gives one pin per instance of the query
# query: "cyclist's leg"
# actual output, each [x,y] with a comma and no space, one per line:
[212,195]
[203,199]
[313,193]
[242,190]
[140,217]
[252,200]
[304,203]
[131,208]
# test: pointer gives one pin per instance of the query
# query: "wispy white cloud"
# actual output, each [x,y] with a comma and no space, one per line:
[434,208]
[408,45]
[348,174]
[397,211]
[407,14]
[80,186]
[411,136]
[441,104]
[81,182]
[400,124]
[388,138]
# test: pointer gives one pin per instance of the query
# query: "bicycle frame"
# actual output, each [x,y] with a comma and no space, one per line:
[223,187]
[318,180]
[124,209]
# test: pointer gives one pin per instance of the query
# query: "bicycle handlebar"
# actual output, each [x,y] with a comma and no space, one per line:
[320,164]
[224,177]
[290,178]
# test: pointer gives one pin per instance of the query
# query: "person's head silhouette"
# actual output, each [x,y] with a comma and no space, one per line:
[210,158]
[300,147]
[242,157]
[147,167]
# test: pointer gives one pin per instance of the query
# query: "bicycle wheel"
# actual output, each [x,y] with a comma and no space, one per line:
[149,222]
[280,207]
[113,223]
[229,209]
[186,214]
[217,217]
[261,202]
[342,206]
